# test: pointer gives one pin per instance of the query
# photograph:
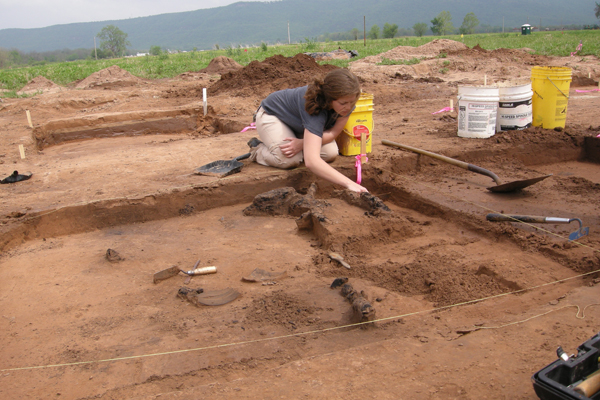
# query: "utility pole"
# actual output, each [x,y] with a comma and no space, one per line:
[365,29]
[289,41]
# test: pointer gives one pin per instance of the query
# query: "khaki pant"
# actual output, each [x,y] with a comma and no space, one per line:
[272,133]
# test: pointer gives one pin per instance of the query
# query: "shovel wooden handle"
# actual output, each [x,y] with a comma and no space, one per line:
[458,163]
[533,219]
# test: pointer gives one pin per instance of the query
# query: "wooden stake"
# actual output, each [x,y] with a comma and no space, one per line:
[363,147]
[451,105]
[485,80]
[22,151]
[29,118]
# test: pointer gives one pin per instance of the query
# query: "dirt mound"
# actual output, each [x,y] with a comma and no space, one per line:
[113,77]
[272,74]
[338,54]
[440,45]
[582,81]
[502,55]
[39,84]
[428,50]
[221,65]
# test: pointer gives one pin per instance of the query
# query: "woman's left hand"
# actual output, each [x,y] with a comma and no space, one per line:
[292,146]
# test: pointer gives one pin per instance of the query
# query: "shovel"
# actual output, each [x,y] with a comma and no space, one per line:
[542,220]
[222,168]
[501,187]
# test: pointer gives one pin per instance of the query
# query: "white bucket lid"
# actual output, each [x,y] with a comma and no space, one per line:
[480,93]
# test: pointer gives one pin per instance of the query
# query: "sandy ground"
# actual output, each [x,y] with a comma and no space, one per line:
[459,307]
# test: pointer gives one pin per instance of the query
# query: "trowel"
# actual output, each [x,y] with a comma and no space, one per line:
[542,220]
[338,257]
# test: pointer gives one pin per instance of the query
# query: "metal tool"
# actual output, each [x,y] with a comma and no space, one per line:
[217,297]
[16,177]
[222,168]
[166,273]
[501,187]
[541,220]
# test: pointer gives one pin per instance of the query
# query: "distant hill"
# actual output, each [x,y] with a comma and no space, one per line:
[247,23]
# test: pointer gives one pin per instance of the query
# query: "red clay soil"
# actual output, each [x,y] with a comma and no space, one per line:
[460,307]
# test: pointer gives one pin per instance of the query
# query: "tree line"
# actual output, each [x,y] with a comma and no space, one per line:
[441,25]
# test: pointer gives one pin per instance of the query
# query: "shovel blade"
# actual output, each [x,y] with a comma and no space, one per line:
[217,297]
[579,233]
[516,185]
[220,168]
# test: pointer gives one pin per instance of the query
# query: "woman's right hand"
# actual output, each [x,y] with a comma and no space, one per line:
[314,162]
[292,147]
[355,187]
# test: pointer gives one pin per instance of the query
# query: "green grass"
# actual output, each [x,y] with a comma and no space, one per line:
[553,43]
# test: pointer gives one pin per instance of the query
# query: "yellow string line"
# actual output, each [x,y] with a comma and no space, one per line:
[541,315]
[323,330]
[343,326]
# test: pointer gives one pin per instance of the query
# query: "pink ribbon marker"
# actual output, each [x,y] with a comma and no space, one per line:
[579,46]
[443,110]
[251,126]
[358,165]
[587,91]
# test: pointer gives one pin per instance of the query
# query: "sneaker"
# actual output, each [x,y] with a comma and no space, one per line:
[254,142]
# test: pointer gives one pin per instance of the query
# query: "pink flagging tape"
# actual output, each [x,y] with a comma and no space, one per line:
[251,126]
[586,91]
[579,46]
[358,165]
[443,110]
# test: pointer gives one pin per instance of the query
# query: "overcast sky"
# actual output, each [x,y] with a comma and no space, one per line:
[43,13]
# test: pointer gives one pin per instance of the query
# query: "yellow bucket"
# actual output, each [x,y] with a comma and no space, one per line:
[360,121]
[550,96]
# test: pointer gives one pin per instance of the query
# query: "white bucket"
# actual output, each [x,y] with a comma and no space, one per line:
[515,108]
[477,110]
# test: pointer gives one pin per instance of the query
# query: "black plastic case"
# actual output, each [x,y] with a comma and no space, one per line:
[555,381]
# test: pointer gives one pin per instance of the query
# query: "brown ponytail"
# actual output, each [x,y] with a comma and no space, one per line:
[337,83]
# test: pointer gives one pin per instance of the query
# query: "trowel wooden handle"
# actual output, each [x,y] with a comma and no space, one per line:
[458,163]
[203,271]
[590,385]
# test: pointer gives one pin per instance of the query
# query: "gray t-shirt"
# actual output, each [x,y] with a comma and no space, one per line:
[288,106]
